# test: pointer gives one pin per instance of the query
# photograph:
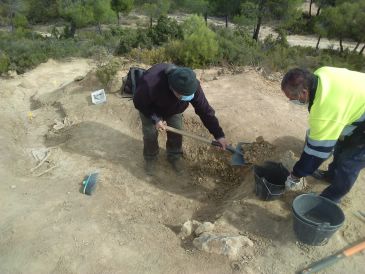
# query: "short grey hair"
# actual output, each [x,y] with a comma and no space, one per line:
[295,80]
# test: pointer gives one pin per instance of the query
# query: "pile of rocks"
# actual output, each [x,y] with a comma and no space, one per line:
[206,240]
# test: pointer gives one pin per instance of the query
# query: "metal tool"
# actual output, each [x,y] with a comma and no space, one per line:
[237,157]
[330,260]
[89,184]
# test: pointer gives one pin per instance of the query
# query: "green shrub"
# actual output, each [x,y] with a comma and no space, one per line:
[165,30]
[106,72]
[131,38]
[20,21]
[150,56]
[199,46]
[4,62]
[238,48]
[126,43]
[301,25]
[25,53]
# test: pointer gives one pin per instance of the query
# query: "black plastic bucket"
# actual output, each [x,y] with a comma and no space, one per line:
[316,219]
[270,180]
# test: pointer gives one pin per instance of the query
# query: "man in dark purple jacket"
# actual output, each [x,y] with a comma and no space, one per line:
[163,93]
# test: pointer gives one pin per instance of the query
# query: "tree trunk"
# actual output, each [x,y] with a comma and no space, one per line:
[99,27]
[206,18]
[259,21]
[11,16]
[118,18]
[257,29]
[362,50]
[12,28]
[310,8]
[319,9]
[226,21]
[319,39]
[151,22]
[341,46]
[357,46]
[72,29]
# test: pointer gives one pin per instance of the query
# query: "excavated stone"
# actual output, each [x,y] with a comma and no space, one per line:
[229,246]
[204,227]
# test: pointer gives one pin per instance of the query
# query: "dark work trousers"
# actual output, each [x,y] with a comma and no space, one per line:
[150,138]
[343,171]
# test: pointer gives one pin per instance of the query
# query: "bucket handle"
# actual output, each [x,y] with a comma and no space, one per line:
[321,227]
[264,181]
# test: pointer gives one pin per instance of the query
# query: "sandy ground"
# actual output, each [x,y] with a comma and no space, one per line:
[131,223]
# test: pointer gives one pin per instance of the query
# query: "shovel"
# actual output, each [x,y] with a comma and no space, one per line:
[237,157]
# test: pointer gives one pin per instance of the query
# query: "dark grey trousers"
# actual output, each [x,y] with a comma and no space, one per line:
[150,138]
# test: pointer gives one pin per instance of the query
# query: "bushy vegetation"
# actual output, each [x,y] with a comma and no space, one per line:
[238,48]
[107,70]
[26,50]
[164,31]
[4,62]
[199,46]
[191,43]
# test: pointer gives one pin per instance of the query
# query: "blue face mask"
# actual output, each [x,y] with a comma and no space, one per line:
[187,98]
[297,102]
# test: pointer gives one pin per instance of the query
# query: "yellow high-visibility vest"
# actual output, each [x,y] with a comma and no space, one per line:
[339,102]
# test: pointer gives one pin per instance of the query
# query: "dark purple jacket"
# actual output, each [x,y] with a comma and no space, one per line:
[154,97]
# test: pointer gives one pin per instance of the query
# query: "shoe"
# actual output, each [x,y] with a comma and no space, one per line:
[150,167]
[292,184]
[177,165]
[322,175]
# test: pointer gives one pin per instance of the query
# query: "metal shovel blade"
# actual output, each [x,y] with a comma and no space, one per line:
[237,157]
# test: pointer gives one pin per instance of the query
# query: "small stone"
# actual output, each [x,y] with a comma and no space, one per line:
[12,73]
[68,192]
[79,78]
[260,139]
[204,227]
[188,228]
[13,187]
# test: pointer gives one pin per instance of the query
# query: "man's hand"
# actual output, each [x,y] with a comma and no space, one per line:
[160,125]
[293,183]
[222,141]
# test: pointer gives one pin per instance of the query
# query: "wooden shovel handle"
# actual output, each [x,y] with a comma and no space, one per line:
[354,249]
[326,262]
[187,134]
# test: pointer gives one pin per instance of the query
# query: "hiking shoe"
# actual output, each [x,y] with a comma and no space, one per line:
[150,167]
[322,175]
[177,165]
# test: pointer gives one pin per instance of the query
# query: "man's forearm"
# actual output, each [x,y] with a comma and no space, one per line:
[306,165]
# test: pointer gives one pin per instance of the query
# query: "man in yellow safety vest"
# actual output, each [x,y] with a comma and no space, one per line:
[336,104]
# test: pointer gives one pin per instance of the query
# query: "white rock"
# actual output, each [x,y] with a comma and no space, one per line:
[12,73]
[204,227]
[225,245]
[13,187]
[27,84]
[188,228]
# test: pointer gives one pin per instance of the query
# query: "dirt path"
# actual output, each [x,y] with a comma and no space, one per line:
[310,40]
[131,223]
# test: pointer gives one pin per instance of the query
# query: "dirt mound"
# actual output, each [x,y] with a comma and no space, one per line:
[259,151]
